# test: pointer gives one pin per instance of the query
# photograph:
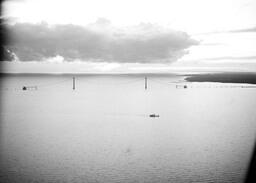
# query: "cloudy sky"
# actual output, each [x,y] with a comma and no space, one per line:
[130,36]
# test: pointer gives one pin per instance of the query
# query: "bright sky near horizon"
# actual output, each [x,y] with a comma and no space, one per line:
[224,29]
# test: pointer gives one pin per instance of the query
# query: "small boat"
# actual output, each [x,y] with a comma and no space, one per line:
[154,116]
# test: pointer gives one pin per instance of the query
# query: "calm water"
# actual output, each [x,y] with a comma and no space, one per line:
[101,132]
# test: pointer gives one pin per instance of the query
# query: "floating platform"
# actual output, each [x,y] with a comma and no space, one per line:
[181,86]
[29,88]
[154,115]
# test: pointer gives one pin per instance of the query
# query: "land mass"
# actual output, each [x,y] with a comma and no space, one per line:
[249,78]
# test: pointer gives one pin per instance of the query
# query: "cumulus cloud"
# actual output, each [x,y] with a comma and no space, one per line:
[98,42]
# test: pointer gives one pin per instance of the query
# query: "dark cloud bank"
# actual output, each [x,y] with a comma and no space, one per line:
[145,43]
[248,30]
[230,58]
[252,29]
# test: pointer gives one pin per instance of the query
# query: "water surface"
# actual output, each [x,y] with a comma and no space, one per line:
[101,132]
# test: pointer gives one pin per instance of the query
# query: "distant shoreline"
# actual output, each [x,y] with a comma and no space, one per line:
[220,77]
[91,74]
[248,78]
